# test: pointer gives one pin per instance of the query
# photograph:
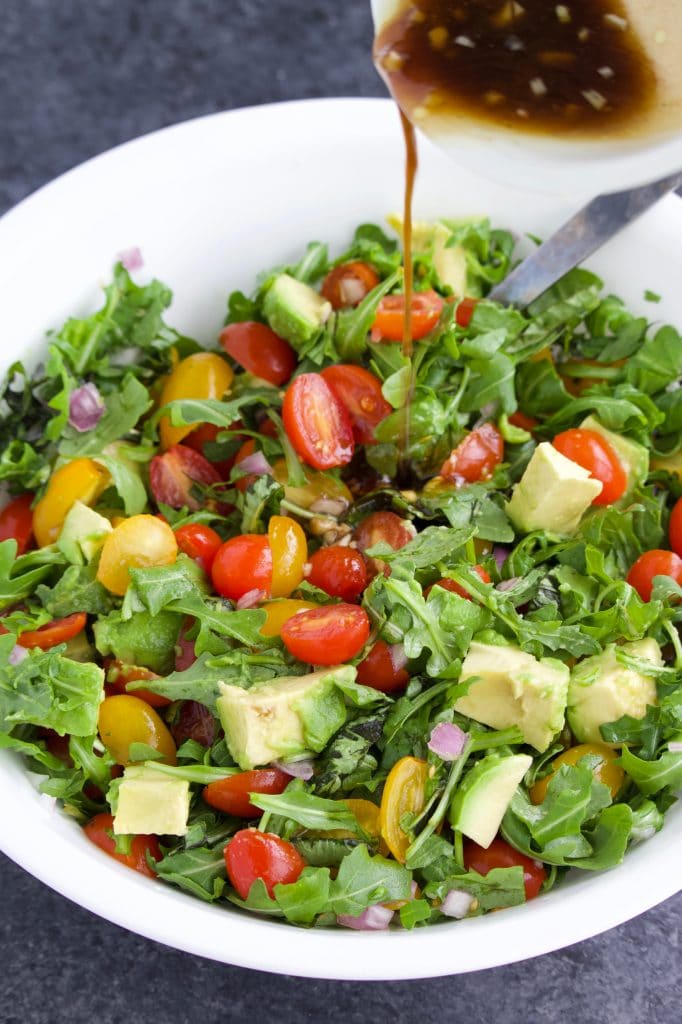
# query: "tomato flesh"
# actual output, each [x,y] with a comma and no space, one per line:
[347,284]
[250,855]
[99,831]
[53,633]
[501,855]
[231,795]
[172,476]
[339,571]
[259,350]
[605,770]
[457,588]
[389,322]
[359,391]
[383,528]
[16,522]
[476,457]
[316,422]
[651,564]
[523,422]
[328,635]
[242,564]
[199,542]
[119,675]
[384,668]
[594,453]
[675,528]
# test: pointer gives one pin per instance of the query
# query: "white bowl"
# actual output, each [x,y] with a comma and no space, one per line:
[211,203]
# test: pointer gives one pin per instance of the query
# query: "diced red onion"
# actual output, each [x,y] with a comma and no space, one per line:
[86,407]
[297,769]
[17,654]
[675,747]
[457,904]
[329,507]
[374,919]
[398,657]
[352,290]
[500,555]
[508,584]
[414,889]
[250,599]
[131,258]
[256,464]
[447,741]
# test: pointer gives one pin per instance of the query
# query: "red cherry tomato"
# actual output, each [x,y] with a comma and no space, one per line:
[465,311]
[199,542]
[99,831]
[173,475]
[384,668]
[231,795]
[650,564]
[207,433]
[594,453]
[242,564]
[340,572]
[359,391]
[53,633]
[347,284]
[16,522]
[250,855]
[524,422]
[476,456]
[260,351]
[383,527]
[675,528]
[501,855]
[390,318]
[194,722]
[456,588]
[185,654]
[326,636]
[318,425]
[119,675]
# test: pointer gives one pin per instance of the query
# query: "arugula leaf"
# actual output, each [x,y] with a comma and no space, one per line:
[657,362]
[19,577]
[346,763]
[310,811]
[501,887]
[124,408]
[200,871]
[363,880]
[301,901]
[651,777]
[76,590]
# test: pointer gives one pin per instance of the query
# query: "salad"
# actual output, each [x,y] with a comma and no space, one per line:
[298,624]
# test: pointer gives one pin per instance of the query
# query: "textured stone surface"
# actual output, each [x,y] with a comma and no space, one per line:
[76,77]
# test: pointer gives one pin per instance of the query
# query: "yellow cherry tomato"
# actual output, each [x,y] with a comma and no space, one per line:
[79,480]
[289,554]
[366,814]
[125,719]
[279,612]
[137,543]
[320,487]
[404,793]
[201,375]
[606,771]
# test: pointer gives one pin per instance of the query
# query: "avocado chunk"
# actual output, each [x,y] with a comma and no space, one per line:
[294,310]
[602,689]
[283,717]
[150,803]
[633,456]
[480,802]
[145,639]
[449,261]
[511,687]
[82,534]
[552,494]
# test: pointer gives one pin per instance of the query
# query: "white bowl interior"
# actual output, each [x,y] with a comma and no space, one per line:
[211,203]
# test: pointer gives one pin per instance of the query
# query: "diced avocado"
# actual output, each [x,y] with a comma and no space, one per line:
[150,803]
[79,648]
[603,690]
[485,794]
[294,310]
[283,717]
[669,464]
[449,261]
[82,534]
[514,688]
[633,456]
[145,639]
[552,494]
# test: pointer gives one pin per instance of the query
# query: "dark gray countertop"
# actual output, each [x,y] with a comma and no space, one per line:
[79,76]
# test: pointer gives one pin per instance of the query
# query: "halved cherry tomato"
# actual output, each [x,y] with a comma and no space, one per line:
[390,318]
[53,633]
[383,528]
[501,855]
[185,654]
[289,554]
[140,542]
[465,311]
[99,831]
[173,475]
[250,855]
[119,675]
[327,636]
[524,422]
[476,456]
[404,793]
[456,588]
[207,433]
[125,719]
[78,480]
[359,391]
[231,795]
[16,522]
[318,425]
[201,375]
[651,564]
[384,668]
[259,350]
[193,721]
[339,571]
[594,453]
[279,612]
[675,528]
[606,771]
[242,564]
[347,284]
[199,542]
[242,483]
